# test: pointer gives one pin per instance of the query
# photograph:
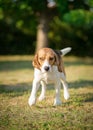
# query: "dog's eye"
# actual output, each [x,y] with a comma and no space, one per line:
[41,58]
[51,58]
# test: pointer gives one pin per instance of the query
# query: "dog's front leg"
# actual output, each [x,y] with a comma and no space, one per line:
[57,100]
[32,98]
[66,93]
[42,95]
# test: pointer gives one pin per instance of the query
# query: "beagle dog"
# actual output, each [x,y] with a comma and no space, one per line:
[48,68]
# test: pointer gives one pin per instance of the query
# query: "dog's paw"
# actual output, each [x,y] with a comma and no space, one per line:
[31,101]
[57,102]
[41,97]
[66,95]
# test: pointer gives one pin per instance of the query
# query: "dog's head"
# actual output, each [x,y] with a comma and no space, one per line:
[45,58]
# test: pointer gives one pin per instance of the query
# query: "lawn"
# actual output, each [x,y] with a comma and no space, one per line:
[16,74]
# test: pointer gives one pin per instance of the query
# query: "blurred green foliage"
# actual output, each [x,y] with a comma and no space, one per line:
[71,25]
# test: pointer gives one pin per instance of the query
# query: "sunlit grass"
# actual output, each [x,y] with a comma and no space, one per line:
[16,75]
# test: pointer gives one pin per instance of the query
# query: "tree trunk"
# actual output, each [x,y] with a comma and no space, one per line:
[42,32]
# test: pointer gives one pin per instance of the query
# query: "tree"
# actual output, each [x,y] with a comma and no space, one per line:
[26,18]
[42,32]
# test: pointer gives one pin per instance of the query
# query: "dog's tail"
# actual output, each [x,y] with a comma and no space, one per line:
[65,51]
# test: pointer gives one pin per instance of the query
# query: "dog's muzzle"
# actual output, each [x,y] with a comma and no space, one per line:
[46,68]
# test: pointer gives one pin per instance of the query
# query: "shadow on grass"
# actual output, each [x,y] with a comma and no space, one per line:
[25,64]
[20,89]
[78,63]
[15,65]
[15,90]
[78,99]
[81,84]
[76,84]
[88,97]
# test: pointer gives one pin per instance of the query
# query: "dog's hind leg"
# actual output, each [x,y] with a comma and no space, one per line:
[57,100]
[65,86]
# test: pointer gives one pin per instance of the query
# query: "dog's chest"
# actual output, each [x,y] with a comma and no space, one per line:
[50,77]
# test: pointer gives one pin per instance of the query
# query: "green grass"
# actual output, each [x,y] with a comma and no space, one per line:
[16,74]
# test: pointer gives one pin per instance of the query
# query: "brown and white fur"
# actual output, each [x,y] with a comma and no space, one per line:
[49,68]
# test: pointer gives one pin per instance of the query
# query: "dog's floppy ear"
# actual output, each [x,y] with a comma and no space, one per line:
[59,63]
[56,59]
[36,62]
[61,66]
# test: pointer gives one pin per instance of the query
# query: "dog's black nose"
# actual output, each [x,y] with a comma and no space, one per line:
[46,68]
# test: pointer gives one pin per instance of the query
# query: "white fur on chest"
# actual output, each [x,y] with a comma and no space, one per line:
[47,77]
